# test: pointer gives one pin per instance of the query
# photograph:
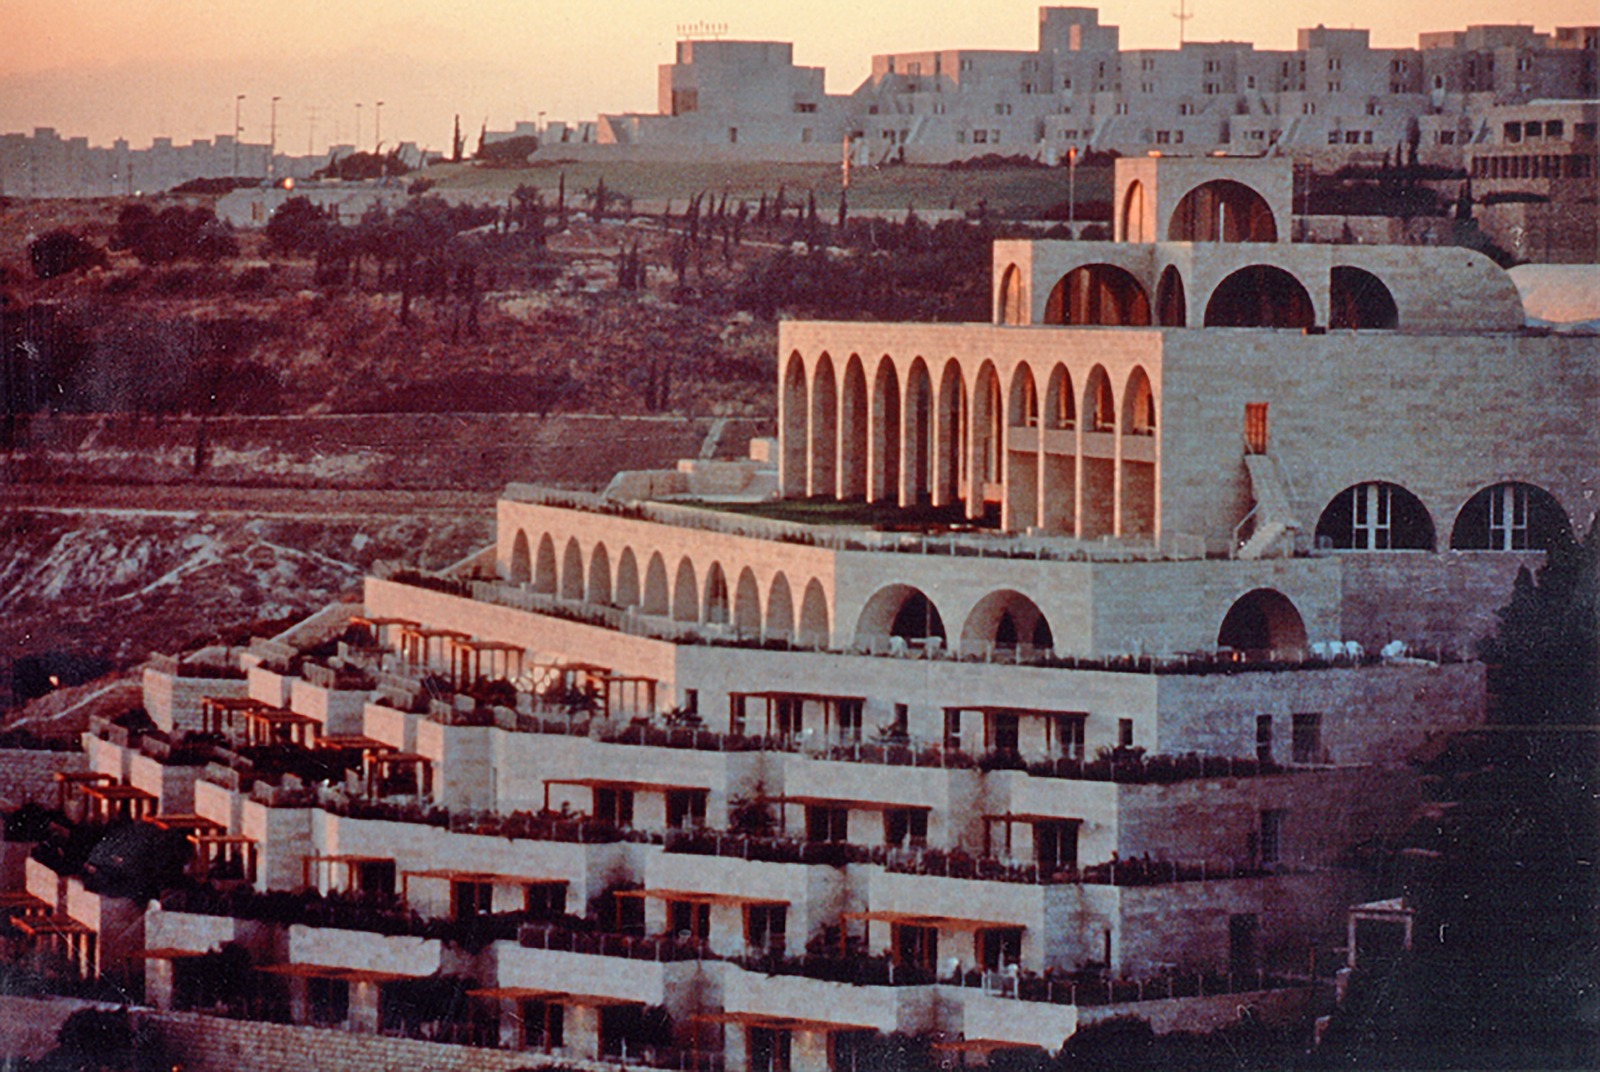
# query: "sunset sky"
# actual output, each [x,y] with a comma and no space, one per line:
[144,68]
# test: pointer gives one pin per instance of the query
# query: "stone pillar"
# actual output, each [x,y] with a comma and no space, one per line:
[364,1008]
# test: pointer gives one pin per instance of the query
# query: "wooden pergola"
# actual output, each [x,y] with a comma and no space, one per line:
[274,725]
[1012,818]
[467,658]
[69,782]
[445,874]
[621,785]
[624,694]
[314,867]
[375,627]
[108,803]
[218,714]
[785,710]
[896,920]
[378,766]
[417,644]
[187,822]
[74,940]
[213,851]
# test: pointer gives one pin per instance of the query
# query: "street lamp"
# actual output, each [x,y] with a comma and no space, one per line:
[358,126]
[238,130]
[377,127]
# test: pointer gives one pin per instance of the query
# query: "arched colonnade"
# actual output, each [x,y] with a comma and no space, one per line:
[1062,446]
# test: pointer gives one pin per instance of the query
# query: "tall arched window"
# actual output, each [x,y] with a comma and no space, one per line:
[1376,516]
[1510,517]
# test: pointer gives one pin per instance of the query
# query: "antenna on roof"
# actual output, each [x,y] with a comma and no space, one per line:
[691,30]
[1183,15]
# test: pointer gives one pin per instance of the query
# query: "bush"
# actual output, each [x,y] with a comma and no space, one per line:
[62,253]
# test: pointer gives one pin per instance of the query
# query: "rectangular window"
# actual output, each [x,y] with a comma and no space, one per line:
[1124,733]
[1508,519]
[1271,835]
[769,1046]
[980,137]
[766,927]
[733,135]
[916,946]
[804,108]
[1000,731]
[1371,503]
[1163,137]
[999,946]
[1055,845]
[545,900]
[902,826]
[542,1024]
[329,1000]
[1263,739]
[468,899]
[1352,137]
[614,806]
[1512,133]
[686,808]
[1447,137]
[849,712]
[1555,128]
[826,823]
[952,730]
[736,713]
[690,919]
[691,701]
[1068,733]
[1177,137]
[1307,740]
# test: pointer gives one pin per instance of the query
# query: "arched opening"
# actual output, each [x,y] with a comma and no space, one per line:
[600,576]
[1172,309]
[521,560]
[1359,301]
[685,593]
[1260,296]
[951,436]
[627,594]
[1098,471]
[747,605]
[717,608]
[918,448]
[853,432]
[899,610]
[1098,294]
[795,424]
[1138,405]
[1133,214]
[780,609]
[1263,623]
[544,566]
[1013,304]
[657,597]
[1059,493]
[1006,620]
[1022,454]
[814,631]
[1222,210]
[1511,517]
[1375,516]
[883,476]
[1098,401]
[824,430]
[572,575]
[988,435]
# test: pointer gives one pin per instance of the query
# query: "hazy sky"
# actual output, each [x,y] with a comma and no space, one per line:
[145,68]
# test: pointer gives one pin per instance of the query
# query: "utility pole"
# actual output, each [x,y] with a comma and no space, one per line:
[358,127]
[272,145]
[311,132]
[377,127]
[238,130]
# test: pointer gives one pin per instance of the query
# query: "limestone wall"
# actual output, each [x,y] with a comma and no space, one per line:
[26,774]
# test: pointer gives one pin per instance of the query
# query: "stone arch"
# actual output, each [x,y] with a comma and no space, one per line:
[1375,516]
[685,593]
[780,608]
[814,631]
[718,608]
[1222,210]
[1060,407]
[627,591]
[852,465]
[600,575]
[544,566]
[1013,299]
[1099,402]
[657,596]
[917,450]
[1133,214]
[988,432]
[1263,621]
[1138,404]
[747,604]
[1359,300]
[899,610]
[1260,296]
[572,576]
[883,472]
[1098,294]
[1022,453]
[1006,619]
[824,429]
[795,424]
[950,435]
[1022,403]
[1172,308]
[521,561]
[1058,493]
[1511,516]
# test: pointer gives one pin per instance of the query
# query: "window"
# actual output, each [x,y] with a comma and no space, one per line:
[542,1025]
[966,65]
[913,68]
[690,919]
[1333,63]
[1375,516]
[686,808]
[545,900]
[691,701]
[769,1046]
[902,825]
[1531,130]
[1335,87]
[1000,731]
[952,730]
[1555,128]
[1147,87]
[1255,427]
[733,135]
[999,946]
[805,108]
[980,137]
[1271,835]
[614,806]
[1002,109]
[766,927]
[849,712]
[1307,738]
[1163,137]
[1124,733]
[329,1000]
[1447,137]
[1068,732]
[1055,845]
[827,823]
[1263,739]
[1308,108]
[736,714]
[938,108]
[1177,137]
[468,899]
[1250,82]
[1186,109]
[1352,137]
[1147,64]
[916,946]
[373,876]
[1512,133]
[994,137]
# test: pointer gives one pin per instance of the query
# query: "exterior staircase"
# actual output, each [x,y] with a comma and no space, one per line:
[1274,517]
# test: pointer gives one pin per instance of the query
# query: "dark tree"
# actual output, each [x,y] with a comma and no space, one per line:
[297,227]
[457,145]
[59,253]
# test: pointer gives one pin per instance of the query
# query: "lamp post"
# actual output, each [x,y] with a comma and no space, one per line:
[1072,188]
[358,126]
[377,127]
[238,130]
[272,145]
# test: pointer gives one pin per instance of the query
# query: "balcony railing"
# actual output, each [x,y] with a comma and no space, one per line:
[664,948]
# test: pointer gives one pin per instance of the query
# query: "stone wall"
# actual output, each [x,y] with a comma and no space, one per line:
[25,775]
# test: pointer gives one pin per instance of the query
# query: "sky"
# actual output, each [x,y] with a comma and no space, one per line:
[139,69]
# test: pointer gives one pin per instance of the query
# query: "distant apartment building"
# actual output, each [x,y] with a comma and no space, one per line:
[1333,99]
